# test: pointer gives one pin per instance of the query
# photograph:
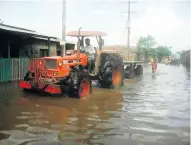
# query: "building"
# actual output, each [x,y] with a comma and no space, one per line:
[17,45]
[185,58]
[19,42]
[176,56]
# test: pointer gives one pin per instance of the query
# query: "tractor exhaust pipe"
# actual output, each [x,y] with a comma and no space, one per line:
[78,45]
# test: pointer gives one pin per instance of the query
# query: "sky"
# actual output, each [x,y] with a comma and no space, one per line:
[166,20]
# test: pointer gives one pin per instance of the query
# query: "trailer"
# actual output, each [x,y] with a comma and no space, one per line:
[133,68]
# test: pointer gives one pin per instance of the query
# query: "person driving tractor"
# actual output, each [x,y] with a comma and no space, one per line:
[90,50]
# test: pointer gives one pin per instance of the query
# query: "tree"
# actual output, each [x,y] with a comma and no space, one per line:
[146,42]
[146,45]
[163,51]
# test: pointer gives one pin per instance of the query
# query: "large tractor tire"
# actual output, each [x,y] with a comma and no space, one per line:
[139,70]
[111,72]
[83,90]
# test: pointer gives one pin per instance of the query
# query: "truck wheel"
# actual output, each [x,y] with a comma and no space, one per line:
[129,73]
[85,88]
[111,73]
[139,70]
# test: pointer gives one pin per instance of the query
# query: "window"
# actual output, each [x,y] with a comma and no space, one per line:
[43,52]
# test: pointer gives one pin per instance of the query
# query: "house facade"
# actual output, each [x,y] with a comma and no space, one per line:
[17,45]
[19,42]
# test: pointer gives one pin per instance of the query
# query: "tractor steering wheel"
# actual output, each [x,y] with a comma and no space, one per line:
[82,50]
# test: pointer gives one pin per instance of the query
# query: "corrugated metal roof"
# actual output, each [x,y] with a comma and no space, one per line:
[43,38]
[19,30]
[16,29]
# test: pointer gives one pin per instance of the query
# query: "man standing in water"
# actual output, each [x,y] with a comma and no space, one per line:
[154,66]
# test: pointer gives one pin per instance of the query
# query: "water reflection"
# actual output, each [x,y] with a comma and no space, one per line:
[45,118]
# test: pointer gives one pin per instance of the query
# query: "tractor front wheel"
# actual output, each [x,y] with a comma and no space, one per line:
[85,88]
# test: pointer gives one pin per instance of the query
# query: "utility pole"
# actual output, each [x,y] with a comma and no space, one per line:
[63,25]
[128,24]
[63,20]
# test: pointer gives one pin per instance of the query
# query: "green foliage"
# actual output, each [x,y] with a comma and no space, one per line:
[145,43]
[163,51]
[152,52]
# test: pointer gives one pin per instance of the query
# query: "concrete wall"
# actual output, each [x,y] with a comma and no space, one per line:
[53,50]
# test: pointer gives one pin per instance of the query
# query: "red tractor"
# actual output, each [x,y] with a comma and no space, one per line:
[69,73]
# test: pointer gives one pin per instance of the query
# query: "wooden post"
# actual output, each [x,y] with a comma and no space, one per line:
[100,41]
[49,47]
[9,49]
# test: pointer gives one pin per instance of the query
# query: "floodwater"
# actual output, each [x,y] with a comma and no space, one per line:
[148,110]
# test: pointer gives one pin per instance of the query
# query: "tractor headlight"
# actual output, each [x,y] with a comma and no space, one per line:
[55,74]
[60,63]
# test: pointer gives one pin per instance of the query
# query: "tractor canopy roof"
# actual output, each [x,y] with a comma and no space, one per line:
[86,33]
[52,57]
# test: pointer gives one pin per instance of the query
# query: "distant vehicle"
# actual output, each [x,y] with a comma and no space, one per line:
[166,61]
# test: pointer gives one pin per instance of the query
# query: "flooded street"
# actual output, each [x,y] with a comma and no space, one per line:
[148,110]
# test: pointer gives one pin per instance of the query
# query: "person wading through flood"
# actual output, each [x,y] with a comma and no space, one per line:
[90,50]
[154,66]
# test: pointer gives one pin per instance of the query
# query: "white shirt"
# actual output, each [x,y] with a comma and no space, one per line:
[91,51]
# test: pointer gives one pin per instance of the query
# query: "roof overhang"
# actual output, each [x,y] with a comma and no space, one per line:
[22,31]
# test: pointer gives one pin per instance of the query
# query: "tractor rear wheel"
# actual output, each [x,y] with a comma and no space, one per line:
[111,72]
[117,77]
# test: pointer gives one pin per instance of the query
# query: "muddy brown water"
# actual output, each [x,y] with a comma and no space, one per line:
[148,110]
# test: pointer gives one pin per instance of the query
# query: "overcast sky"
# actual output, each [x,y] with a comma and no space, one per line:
[167,20]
